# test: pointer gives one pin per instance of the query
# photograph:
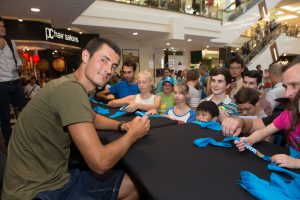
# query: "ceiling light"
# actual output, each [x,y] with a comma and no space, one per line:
[172,48]
[237,49]
[55,51]
[20,20]
[286,17]
[135,33]
[168,44]
[35,9]
[290,8]
[69,29]
[207,47]
[231,51]
[62,47]
[165,49]
[80,32]
[209,57]
[284,54]
[189,40]
[279,13]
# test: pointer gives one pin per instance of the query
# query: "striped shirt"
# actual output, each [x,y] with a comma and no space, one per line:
[228,104]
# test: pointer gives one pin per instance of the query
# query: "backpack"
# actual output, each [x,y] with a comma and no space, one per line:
[10,45]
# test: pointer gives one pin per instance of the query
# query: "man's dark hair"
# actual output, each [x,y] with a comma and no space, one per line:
[247,95]
[291,64]
[130,63]
[210,107]
[94,44]
[192,75]
[254,74]
[237,60]
[223,71]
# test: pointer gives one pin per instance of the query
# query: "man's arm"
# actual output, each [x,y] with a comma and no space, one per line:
[99,157]
[236,126]
[104,95]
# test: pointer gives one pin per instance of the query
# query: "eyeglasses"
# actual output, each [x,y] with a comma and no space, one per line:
[241,110]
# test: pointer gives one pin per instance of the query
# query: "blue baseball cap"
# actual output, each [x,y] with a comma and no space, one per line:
[168,79]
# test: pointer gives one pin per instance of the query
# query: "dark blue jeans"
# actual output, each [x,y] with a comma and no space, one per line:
[87,185]
[10,93]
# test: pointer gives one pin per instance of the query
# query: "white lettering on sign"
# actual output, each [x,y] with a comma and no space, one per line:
[50,33]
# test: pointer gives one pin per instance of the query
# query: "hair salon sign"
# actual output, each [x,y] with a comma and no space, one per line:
[60,35]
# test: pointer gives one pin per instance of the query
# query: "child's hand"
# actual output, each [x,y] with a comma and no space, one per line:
[131,107]
[151,112]
[241,143]
[283,160]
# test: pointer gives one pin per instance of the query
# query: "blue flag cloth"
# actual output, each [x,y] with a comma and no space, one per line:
[204,142]
[100,110]
[280,187]
[210,125]
[119,113]
[142,113]
[97,102]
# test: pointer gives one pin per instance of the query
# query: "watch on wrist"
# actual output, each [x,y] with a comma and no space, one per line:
[120,125]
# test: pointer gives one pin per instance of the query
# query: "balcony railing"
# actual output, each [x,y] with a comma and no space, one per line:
[196,7]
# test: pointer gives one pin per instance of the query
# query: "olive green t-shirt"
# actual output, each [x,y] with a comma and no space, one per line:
[39,148]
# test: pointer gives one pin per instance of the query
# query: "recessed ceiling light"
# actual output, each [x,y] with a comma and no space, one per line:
[284,54]
[286,17]
[168,44]
[27,49]
[20,20]
[55,51]
[69,29]
[209,57]
[80,32]
[62,47]
[35,9]
[207,47]
[165,49]
[237,49]
[135,33]
[189,40]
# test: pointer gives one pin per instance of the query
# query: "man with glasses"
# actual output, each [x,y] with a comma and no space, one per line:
[123,88]
[236,67]
[247,101]
[291,83]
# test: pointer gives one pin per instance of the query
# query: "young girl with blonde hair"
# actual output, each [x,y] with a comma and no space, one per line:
[144,101]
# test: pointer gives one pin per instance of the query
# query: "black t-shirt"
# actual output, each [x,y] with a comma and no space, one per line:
[269,119]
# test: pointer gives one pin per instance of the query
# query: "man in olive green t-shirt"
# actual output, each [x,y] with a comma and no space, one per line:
[39,149]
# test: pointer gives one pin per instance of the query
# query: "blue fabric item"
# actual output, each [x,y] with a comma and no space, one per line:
[142,113]
[294,153]
[97,102]
[204,142]
[119,113]
[279,187]
[210,125]
[100,110]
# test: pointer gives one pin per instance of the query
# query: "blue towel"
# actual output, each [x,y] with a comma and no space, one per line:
[100,110]
[142,113]
[203,142]
[210,125]
[97,102]
[279,187]
[119,113]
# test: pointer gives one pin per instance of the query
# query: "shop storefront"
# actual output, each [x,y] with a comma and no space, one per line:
[46,52]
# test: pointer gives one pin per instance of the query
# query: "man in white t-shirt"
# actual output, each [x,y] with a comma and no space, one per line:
[31,88]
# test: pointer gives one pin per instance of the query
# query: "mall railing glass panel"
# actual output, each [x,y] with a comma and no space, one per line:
[196,7]
[255,47]
[234,10]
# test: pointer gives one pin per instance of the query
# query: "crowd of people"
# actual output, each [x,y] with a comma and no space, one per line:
[61,113]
